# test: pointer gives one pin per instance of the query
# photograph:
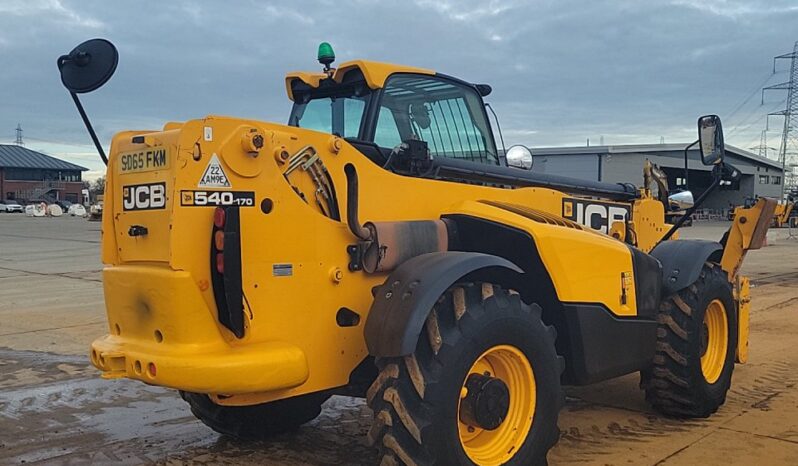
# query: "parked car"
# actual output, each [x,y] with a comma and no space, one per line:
[63,204]
[11,206]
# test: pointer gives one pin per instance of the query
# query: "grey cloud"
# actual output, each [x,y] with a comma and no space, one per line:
[561,71]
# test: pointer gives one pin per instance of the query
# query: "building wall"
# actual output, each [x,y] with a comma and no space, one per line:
[723,199]
[70,190]
[622,168]
[582,166]
[765,182]
[628,168]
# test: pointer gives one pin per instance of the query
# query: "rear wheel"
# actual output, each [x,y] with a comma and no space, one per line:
[696,344]
[482,387]
[256,421]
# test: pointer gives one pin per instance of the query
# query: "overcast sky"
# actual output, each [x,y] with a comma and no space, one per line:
[562,71]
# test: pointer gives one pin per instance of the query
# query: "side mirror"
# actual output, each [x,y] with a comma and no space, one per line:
[88,66]
[710,137]
[519,157]
[681,201]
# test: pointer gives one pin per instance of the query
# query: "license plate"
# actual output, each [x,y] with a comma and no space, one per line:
[144,160]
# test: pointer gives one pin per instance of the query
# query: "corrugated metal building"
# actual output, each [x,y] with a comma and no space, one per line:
[624,163]
[31,176]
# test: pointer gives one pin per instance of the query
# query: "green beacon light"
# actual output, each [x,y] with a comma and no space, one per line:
[326,55]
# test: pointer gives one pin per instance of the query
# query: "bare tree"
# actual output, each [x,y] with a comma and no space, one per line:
[98,186]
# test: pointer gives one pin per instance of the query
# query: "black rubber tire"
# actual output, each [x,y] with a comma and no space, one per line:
[415,397]
[256,421]
[675,384]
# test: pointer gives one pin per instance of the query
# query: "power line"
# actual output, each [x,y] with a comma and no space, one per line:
[736,129]
[753,93]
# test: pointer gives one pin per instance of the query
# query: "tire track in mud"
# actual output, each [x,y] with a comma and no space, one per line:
[777,377]
[580,444]
[55,409]
[787,279]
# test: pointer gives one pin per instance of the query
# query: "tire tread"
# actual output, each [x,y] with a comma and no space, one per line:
[674,384]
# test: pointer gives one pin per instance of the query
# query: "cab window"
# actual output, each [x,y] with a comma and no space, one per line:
[447,115]
[341,115]
[387,132]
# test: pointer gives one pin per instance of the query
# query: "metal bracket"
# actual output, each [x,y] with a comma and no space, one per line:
[356,253]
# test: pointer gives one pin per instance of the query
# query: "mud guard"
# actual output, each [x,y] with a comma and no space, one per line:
[682,261]
[401,304]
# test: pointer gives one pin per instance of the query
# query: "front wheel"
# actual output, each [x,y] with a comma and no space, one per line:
[696,344]
[482,387]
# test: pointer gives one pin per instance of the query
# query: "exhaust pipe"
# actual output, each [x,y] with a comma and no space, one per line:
[385,245]
[355,226]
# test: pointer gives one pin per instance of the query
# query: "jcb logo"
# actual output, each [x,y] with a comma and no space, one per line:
[144,196]
[596,215]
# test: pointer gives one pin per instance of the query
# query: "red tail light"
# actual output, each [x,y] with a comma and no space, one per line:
[220,262]
[219,218]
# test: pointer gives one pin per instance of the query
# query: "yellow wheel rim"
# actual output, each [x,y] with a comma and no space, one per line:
[495,447]
[715,341]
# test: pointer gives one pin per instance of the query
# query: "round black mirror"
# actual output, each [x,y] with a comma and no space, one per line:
[88,66]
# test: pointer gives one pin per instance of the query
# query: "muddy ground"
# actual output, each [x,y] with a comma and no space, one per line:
[54,409]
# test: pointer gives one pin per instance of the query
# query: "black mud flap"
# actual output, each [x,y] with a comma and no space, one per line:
[401,304]
[682,260]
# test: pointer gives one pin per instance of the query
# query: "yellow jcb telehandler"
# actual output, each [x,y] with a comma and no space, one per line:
[380,245]
[783,214]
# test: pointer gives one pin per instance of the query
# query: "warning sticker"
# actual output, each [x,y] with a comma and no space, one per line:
[214,175]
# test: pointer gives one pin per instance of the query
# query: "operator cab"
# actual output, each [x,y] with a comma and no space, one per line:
[417,122]
[377,106]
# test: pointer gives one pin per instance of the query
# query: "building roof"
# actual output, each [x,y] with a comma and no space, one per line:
[643,148]
[13,156]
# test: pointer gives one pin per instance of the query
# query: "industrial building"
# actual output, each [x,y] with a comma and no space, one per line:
[30,176]
[624,164]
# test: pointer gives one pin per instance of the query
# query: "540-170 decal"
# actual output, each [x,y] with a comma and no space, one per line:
[217,198]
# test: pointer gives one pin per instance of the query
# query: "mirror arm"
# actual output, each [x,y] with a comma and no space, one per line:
[717,175]
[89,127]
[686,166]
[499,128]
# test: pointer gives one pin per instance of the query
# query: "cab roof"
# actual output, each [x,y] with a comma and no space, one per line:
[375,74]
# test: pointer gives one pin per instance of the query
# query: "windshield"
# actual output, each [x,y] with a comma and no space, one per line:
[447,115]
